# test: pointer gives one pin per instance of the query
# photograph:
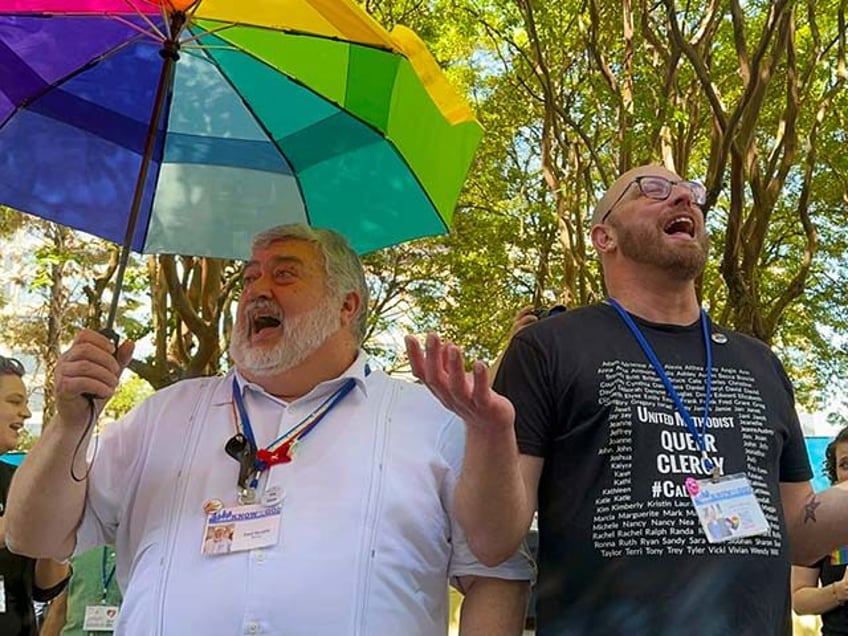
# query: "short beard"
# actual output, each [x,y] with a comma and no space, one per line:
[302,336]
[684,264]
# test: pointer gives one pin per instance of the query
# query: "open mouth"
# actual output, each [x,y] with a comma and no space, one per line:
[264,318]
[680,225]
[264,322]
[258,324]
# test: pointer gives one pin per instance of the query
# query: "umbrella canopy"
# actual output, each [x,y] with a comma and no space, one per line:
[185,127]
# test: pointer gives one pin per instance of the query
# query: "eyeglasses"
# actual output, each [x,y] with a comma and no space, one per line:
[659,189]
[11,364]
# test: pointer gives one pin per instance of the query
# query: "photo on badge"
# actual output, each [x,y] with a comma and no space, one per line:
[219,538]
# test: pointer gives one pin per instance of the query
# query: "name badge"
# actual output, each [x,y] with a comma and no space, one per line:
[727,508]
[100,618]
[241,528]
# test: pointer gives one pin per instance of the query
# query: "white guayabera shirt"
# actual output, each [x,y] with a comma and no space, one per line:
[366,540]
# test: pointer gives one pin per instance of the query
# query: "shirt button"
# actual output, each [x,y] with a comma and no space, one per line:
[251,628]
[259,556]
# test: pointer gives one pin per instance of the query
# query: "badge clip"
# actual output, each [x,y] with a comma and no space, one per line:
[710,466]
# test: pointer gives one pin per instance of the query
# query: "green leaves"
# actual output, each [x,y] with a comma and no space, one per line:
[570,94]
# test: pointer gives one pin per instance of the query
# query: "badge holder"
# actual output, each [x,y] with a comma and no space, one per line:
[100,618]
[247,526]
[727,507]
[241,528]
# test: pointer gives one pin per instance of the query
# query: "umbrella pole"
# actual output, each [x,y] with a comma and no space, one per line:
[170,54]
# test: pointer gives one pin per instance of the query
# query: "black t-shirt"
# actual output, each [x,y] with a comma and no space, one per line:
[17,573]
[834,622]
[620,547]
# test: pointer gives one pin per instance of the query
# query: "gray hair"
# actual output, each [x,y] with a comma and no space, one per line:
[341,264]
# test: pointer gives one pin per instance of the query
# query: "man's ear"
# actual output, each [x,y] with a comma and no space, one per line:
[603,238]
[350,307]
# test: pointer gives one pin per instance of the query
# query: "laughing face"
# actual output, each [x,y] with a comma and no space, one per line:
[669,234]
[285,313]
[13,410]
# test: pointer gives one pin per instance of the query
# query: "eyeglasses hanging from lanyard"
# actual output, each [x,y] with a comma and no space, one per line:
[254,460]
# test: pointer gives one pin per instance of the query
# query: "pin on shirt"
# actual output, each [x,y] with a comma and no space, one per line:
[281,455]
[719,338]
[212,506]
[273,496]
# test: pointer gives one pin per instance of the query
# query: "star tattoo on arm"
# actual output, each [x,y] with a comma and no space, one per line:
[810,509]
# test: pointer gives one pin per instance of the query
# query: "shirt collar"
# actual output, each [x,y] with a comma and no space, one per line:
[356,371]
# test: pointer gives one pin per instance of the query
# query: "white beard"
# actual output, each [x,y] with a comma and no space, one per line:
[302,336]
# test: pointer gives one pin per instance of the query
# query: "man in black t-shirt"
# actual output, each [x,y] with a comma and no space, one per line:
[609,417]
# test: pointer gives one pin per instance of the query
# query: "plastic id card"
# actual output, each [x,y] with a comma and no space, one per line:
[727,507]
[100,618]
[241,528]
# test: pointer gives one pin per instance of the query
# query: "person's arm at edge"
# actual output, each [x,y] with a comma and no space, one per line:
[45,505]
[492,607]
[527,467]
[496,497]
[817,523]
[808,597]
[496,493]
[56,615]
[49,573]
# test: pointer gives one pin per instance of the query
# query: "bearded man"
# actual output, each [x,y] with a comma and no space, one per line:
[333,481]
[663,451]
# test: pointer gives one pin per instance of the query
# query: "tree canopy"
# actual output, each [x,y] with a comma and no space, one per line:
[748,97]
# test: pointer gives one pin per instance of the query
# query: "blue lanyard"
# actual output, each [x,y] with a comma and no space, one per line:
[313,418]
[697,435]
[105,578]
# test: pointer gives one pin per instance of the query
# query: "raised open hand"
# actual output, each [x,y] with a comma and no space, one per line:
[441,367]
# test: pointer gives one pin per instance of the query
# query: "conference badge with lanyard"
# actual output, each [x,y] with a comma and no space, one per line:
[102,617]
[725,504]
[255,522]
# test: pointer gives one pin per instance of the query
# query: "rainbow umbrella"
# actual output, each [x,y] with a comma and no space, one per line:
[185,127]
